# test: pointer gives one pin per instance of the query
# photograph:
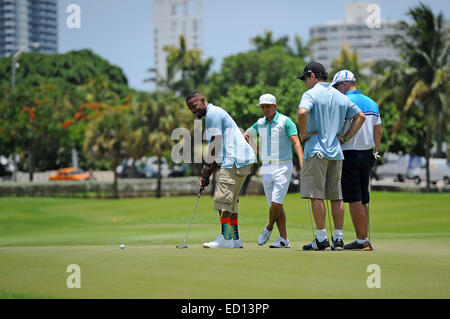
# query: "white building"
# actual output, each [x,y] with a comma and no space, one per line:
[361,31]
[172,18]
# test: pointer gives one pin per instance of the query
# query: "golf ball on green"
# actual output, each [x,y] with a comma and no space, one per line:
[122,246]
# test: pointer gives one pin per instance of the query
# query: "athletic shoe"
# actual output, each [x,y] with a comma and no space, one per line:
[280,243]
[238,243]
[264,237]
[220,242]
[365,246]
[338,244]
[318,245]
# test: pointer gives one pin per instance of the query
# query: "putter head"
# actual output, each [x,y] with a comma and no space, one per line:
[182,246]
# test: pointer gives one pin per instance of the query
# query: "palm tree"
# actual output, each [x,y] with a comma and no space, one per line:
[108,138]
[167,112]
[304,50]
[348,60]
[425,50]
[267,41]
[186,70]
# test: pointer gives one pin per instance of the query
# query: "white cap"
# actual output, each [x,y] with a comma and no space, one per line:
[343,76]
[267,99]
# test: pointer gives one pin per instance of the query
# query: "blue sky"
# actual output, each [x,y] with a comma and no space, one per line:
[121,31]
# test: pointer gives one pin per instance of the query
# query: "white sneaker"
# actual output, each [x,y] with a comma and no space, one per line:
[280,243]
[220,242]
[264,237]
[238,243]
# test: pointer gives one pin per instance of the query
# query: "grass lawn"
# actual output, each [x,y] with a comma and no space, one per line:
[40,237]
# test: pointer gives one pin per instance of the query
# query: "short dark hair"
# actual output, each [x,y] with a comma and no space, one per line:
[192,95]
[322,76]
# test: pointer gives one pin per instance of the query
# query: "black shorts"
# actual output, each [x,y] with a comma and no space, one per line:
[356,175]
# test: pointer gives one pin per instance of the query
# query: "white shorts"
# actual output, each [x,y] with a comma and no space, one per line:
[276,179]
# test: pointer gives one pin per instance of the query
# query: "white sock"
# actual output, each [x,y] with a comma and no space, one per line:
[367,239]
[338,234]
[321,234]
[360,241]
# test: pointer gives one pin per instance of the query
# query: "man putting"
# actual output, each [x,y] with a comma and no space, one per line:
[278,134]
[228,149]
[360,153]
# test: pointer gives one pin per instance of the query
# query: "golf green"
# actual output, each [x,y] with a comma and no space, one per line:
[41,237]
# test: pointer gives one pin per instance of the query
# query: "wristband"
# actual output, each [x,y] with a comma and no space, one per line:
[343,137]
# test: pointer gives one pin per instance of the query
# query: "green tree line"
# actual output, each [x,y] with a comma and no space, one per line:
[79,100]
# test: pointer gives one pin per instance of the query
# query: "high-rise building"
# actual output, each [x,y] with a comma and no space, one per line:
[173,18]
[28,21]
[359,32]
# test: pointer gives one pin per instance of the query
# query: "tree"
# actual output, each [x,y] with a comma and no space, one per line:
[153,117]
[109,137]
[303,50]
[348,60]
[186,70]
[32,118]
[64,73]
[166,112]
[266,67]
[64,70]
[425,49]
[267,41]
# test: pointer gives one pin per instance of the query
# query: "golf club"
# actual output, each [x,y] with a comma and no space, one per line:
[310,217]
[329,221]
[190,223]
[368,220]
[368,210]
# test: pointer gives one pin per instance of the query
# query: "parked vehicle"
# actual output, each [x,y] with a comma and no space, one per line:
[152,162]
[179,170]
[70,174]
[439,171]
[145,167]
[398,167]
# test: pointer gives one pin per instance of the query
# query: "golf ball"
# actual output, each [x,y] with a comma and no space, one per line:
[122,246]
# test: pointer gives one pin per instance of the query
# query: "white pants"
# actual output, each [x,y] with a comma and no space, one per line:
[276,179]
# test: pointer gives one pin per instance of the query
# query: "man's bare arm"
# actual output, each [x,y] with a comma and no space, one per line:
[357,122]
[298,148]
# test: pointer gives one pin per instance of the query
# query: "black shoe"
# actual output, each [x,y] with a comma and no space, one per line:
[338,244]
[365,246]
[318,245]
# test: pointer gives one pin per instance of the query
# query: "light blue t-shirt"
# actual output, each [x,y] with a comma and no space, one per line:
[276,144]
[327,110]
[235,150]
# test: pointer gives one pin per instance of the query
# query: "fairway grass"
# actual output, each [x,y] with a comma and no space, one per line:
[40,237]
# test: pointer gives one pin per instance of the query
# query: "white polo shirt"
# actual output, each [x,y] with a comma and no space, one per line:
[363,139]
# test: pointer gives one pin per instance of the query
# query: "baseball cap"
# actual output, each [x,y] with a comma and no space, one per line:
[313,67]
[267,99]
[343,76]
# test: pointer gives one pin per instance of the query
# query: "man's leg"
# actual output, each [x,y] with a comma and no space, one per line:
[225,200]
[274,213]
[338,210]
[318,208]
[359,220]
[281,224]
[366,222]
